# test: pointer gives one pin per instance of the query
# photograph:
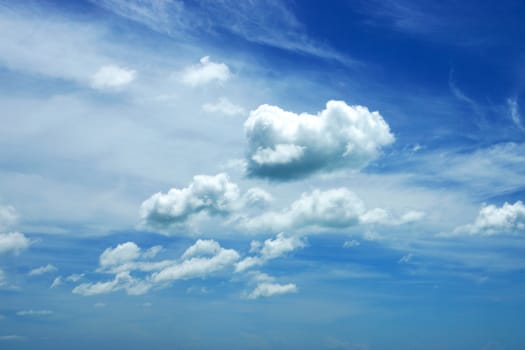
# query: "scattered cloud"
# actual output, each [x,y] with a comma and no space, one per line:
[56,282]
[265,22]
[493,220]
[12,337]
[13,242]
[42,270]
[112,77]
[405,259]
[515,113]
[270,249]
[267,287]
[75,277]
[351,244]
[223,106]
[283,145]
[200,260]
[34,313]
[206,72]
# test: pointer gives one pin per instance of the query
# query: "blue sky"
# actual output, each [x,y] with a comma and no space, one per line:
[262,174]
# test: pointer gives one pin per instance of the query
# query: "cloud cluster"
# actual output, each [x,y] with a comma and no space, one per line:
[206,72]
[112,77]
[284,145]
[213,195]
[335,208]
[205,195]
[13,242]
[203,258]
[493,220]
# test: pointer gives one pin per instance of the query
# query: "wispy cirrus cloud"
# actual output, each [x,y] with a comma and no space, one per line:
[266,22]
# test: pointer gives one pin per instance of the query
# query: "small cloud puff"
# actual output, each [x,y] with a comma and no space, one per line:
[112,77]
[206,72]
[491,220]
[267,287]
[283,145]
[270,249]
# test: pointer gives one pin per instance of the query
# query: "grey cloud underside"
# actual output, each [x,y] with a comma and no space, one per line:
[285,146]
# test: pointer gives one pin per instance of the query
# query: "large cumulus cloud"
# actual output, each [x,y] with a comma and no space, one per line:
[284,145]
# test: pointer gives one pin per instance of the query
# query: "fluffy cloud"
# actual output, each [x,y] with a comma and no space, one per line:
[267,287]
[285,145]
[491,220]
[13,242]
[203,258]
[42,270]
[206,72]
[122,253]
[223,106]
[197,267]
[335,208]
[270,249]
[213,195]
[111,77]
[8,216]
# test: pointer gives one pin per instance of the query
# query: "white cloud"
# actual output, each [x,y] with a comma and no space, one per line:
[197,266]
[223,106]
[202,247]
[42,270]
[405,259]
[75,277]
[515,113]
[213,195]
[491,220]
[203,258]
[122,281]
[267,287]
[351,244]
[285,145]
[122,253]
[112,77]
[34,313]
[13,242]
[11,337]
[56,282]
[206,72]
[257,197]
[8,216]
[335,208]
[270,249]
